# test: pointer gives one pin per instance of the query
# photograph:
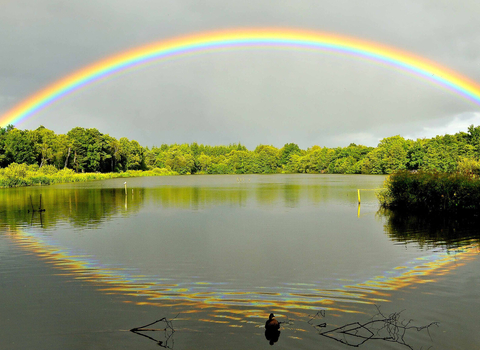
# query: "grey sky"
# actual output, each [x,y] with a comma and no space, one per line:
[252,97]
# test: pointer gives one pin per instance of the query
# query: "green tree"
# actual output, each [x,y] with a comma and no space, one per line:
[19,147]
[473,138]
[79,144]
[266,159]
[63,151]
[442,153]
[241,162]
[204,162]
[4,161]
[178,160]
[286,151]
[45,142]
[132,155]
[390,155]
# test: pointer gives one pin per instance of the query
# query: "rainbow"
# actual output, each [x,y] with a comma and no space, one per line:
[155,291]
[243,38]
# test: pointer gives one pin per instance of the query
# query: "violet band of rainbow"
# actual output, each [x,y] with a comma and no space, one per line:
[244,39]
[305,297]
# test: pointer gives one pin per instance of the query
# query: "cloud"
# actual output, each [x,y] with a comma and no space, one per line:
[266,96]
[359,138]
[450,126]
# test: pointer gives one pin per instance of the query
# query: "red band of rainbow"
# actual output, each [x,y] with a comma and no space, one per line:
[243,38]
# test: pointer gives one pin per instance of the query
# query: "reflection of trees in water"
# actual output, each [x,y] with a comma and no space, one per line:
[88,207]
[79,207]
[195,197]
[264,194]
[429,230]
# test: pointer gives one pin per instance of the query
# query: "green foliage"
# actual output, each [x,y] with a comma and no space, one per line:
[89,151]
[22,175]
[19,147]
[288,150]
[468,166]
[431,191]
[180,160]
[265,160]
[241,162]
[48,169]
[390,155]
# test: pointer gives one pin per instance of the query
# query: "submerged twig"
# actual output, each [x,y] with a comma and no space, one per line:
[389,328]
[40,209]
[287,322]
[169,330]
[319,313]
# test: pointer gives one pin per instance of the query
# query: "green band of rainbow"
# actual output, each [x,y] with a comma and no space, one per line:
[198,295]
[211,41]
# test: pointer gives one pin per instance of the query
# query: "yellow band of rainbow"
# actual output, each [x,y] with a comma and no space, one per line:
[244,38]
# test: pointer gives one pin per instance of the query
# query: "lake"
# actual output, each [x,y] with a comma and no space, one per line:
[215,255]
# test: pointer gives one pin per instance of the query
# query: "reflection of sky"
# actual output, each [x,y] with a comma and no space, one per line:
[221,297]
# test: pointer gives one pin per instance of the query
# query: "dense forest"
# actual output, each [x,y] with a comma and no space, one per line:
[89,151]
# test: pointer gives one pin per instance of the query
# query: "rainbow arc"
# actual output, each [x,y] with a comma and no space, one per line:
[237,39]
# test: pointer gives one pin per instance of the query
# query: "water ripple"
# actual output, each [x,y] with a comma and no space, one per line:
[243,303]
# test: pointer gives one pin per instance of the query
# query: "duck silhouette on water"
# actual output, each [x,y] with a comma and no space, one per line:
[272,327]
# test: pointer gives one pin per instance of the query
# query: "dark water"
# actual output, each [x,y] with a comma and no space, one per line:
[216,254]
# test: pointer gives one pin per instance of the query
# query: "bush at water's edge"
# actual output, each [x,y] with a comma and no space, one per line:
[16,175]
[431,191]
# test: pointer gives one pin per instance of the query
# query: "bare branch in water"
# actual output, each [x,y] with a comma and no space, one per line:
[168,329]
[389,328]
[317,315]
[288,322]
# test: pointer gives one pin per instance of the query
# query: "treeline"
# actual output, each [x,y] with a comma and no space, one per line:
[89,151]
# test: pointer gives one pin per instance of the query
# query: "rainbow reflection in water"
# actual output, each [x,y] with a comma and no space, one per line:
[235,304]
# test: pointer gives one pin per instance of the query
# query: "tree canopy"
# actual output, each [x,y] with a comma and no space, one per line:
[89,150]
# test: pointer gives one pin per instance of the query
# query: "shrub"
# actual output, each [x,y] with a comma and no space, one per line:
[15,170]
[48,169]
[431,191]
[16,175]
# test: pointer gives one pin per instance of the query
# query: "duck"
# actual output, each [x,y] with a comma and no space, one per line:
[272,324]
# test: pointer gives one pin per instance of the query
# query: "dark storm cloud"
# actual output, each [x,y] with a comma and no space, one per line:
[248,97]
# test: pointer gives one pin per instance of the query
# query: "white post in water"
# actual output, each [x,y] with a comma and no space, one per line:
[125,183]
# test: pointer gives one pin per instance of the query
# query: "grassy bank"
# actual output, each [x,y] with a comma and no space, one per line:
[431,192]
[16,175]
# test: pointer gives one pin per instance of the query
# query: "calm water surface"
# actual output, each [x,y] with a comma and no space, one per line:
[217,254]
